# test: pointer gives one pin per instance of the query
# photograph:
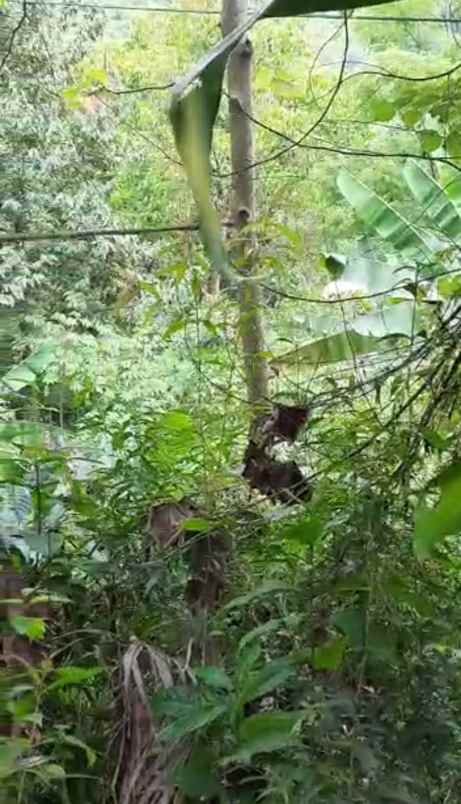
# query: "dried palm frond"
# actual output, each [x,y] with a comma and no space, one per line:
[143,764]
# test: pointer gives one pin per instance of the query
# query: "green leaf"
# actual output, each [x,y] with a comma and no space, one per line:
[395,319]
[72,97]
[196,523]
[329,656]
[453,144]
[381,110]
[176,421]
[194,107]
[430,139]
[52,771]
[10,751]
[330,349]
[268,588]
[175,326]
[453,191]
[26,373]
[431,526]
[433,199]
[214,677]
[381,643]
[268,678]
[378,215]
[265,732]
[267,628]
[70,739]
[335,264]
[304,533]
[74,676]
[248,658]
[32,627]
[352,623]
[11,471]
[198,778]
[449,286]
[197,717]
[95,75]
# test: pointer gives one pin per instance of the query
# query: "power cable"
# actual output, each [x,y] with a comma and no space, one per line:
[208,12]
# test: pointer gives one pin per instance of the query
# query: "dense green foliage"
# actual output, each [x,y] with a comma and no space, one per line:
[327,669]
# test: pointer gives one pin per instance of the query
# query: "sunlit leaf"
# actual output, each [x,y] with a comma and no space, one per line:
[381,110]
[32,627]
[434,201]
[430,139]
[304,533]
[196,523]
[331,349]
[396,319]
[26,373]
[378,215]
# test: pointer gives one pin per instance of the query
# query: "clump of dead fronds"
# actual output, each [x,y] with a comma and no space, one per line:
[143,763]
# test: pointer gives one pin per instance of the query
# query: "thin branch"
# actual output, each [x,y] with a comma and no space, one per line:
[344,150]
[83,234]
[309,300]
[153,88]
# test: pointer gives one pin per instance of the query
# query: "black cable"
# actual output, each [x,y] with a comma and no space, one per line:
[206,12]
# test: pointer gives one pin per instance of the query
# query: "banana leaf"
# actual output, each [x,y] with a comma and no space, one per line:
[381,217]
[433,199]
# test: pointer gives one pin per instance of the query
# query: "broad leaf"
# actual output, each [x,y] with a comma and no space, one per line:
[352,623]
[395,319]
[430,139]
[10,752]
[27,372]
[330,655]
[74,676]
[268,588]
[198,778]
[431,526]
[194,107]
[197,717]
[268,678]
[32,627]
[304,533]
[214,677]
[433,199]
[331,349]
[378,215]
[266,732]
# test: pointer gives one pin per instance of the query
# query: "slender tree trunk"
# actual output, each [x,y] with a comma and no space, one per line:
[243,205]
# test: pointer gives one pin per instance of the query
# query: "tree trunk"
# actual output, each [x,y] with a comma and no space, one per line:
[243,206]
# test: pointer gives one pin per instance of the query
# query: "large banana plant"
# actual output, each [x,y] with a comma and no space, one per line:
[194,107]
[437,224]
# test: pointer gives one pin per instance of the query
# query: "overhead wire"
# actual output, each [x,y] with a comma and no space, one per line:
[211,12]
